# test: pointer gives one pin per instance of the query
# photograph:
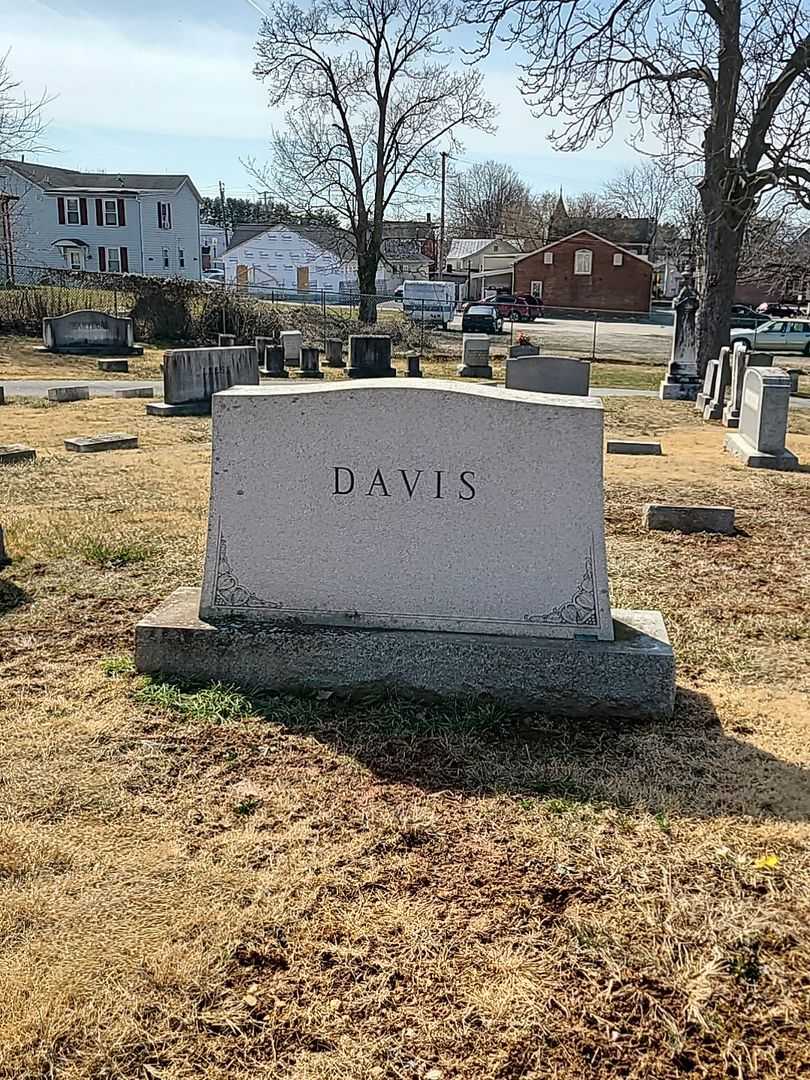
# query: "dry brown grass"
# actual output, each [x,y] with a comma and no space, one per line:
[22,358]
[221,887]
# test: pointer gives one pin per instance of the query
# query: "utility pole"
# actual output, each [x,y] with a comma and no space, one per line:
[224,216]
[440,260]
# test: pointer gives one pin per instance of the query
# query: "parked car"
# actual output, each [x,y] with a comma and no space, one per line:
[777,309]
[481,319]
[515,307]
[777,335]
[745,315]
[534,304]
[214,276]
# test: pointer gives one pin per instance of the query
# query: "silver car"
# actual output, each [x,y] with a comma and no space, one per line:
[778,335]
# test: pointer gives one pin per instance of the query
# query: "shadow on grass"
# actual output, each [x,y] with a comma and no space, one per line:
[11,596]
[687,765]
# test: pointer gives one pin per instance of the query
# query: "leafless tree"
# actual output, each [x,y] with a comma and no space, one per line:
[642,191]
[369,105]
[721,82]
[489,199]
[21,117]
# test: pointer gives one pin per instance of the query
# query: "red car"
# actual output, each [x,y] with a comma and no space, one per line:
[518,307]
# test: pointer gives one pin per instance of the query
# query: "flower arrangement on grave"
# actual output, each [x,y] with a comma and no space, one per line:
[523,339]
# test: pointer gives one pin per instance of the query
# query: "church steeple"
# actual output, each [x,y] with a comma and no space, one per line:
[560,213]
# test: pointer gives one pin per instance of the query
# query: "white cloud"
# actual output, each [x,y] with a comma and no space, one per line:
[193,81]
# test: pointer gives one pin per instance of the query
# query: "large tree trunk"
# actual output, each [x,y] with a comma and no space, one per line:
[367,263]
[722,253]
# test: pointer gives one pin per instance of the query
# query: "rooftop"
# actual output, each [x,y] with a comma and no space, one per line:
[52,178]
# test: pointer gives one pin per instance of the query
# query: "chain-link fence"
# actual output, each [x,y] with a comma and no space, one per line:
[171,310]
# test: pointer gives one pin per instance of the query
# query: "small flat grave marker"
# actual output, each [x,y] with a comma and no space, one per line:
[112,365]
[134,391]
[15,453]
[68,393]
[688,519]
[616,446]
[94,444]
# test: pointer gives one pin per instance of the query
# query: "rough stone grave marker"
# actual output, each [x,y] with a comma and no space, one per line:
[549,374]
[5,559]
[89,332]
[760,440]
[192,376]
[408,586]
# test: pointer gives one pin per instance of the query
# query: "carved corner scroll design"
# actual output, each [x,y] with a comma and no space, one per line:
[580,610]
[228,590]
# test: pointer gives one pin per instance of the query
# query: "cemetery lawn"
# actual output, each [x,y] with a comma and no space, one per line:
[199,883]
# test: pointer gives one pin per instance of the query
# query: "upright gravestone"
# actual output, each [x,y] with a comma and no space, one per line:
[88,331]
[741,360]
[414,362]
[413,590]
[226,341]
[291,342]
[549,374]
[192,376]
[713,409]
[682,382]
[370,357]
[4,558]
[760,441]
[310,368]
[262,345]
[707,391]
[334,353]
[475,357]
[274,363]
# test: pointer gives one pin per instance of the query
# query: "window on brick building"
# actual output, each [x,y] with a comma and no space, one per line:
[583,261]
[618,259]
[548,258]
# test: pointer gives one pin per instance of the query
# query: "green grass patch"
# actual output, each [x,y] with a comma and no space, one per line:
[217,703]
[113,555]
[115,667]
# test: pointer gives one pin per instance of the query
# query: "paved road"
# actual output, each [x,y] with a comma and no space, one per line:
[105,387]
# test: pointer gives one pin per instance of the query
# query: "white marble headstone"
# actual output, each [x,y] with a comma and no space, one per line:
[764,409]
[409,504]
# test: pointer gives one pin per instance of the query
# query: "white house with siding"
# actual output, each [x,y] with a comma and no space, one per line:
[104,222]
[315,257]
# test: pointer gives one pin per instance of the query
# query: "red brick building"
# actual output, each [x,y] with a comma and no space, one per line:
[585,272]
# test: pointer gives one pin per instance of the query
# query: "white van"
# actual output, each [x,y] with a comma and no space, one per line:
[433,302]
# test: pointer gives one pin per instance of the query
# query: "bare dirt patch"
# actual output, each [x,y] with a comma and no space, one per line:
[210,885]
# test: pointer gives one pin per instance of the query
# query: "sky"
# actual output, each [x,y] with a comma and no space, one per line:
[167,86]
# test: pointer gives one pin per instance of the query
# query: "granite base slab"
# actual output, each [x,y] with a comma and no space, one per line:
[632,676]
[741,448]
[678,391]
[186,408]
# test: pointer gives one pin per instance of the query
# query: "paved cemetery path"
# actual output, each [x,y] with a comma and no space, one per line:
[105,387]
